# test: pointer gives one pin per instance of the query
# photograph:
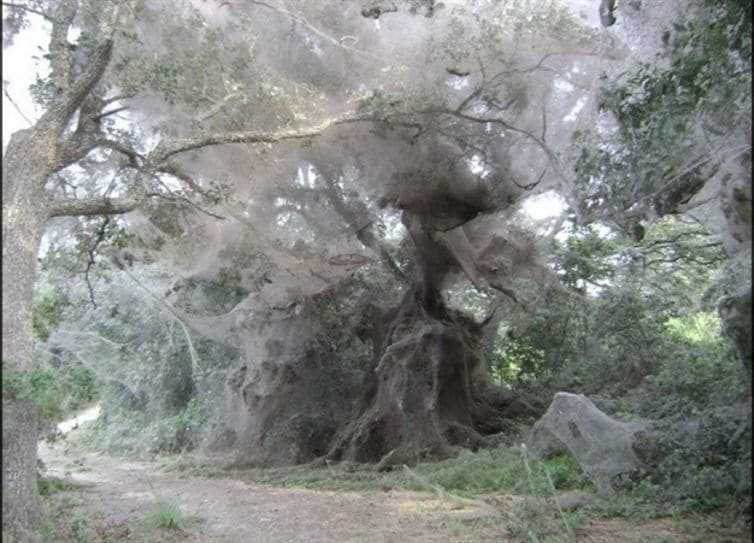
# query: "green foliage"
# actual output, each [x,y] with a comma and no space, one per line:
[166,515]
[57,391]
[79,385]
[497,470]
[515,359]
[49,485]
[701,369]
[586,256]
[378,101]
[468,474]
[49,304]
[40,385]
[679,261]
[655,158]
[713,471]
[123,432]
[534,517]
[696,329]
[644,313]
[180,432]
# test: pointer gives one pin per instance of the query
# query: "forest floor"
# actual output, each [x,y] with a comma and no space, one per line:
[100,498]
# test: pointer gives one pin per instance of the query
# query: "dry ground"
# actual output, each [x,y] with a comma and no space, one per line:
[111,496]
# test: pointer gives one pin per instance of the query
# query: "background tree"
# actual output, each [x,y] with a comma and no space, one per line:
[413,181]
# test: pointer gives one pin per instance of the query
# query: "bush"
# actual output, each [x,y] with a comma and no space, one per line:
[180,432]
[40,385]
[80,387]
[48,312]
[706,463]
[122,431]
[57,392]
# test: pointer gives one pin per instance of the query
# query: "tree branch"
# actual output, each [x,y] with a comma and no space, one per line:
[61,56]
[100,237]
[217,107]
[173,169]
[552,157]
[165,150]
[135,159]
[531,185]
[29,9]
[172,197]
[79,90]
[13,103]
[83,207]
[118,98]
[111,112]
[302,20]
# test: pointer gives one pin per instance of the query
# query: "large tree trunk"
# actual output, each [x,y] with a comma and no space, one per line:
[289,395]
[423,402]
[24,217]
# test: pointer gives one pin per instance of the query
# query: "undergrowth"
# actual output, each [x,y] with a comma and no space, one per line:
[166,515]
[135,433]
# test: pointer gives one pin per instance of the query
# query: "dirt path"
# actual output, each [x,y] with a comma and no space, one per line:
[112,497]
[117,493]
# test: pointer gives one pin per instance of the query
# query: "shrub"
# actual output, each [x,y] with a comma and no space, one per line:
[40,385]
[48,312]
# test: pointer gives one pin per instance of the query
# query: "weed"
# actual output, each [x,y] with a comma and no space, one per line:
[534,517]
[48,530]
[166,515]
[50,485]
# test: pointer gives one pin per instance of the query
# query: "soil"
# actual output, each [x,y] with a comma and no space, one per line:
[111,496]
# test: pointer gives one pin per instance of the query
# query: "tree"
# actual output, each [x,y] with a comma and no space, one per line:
[421,138]
[681,143]
[32,157]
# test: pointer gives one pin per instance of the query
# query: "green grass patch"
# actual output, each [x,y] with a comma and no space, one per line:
[497,470]
[467,475]
[166,515]
[51,485]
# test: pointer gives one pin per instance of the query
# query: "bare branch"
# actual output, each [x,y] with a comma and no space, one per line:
[111,112]
[82,142]
[27,8]
[100,237]
[173,169]
[551,155]
[301,19]
[172,197]
[543,136]
[13,103]
[165,150]
[217,107]
[83,207]
[531,185]
[119,97]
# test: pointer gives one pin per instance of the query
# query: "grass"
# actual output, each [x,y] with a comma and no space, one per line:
[538,517]
[166,515]
[51,485]
[190,464]
[458,480]
[467,475]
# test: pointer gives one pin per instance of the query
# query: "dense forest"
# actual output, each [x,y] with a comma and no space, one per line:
[492,253]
